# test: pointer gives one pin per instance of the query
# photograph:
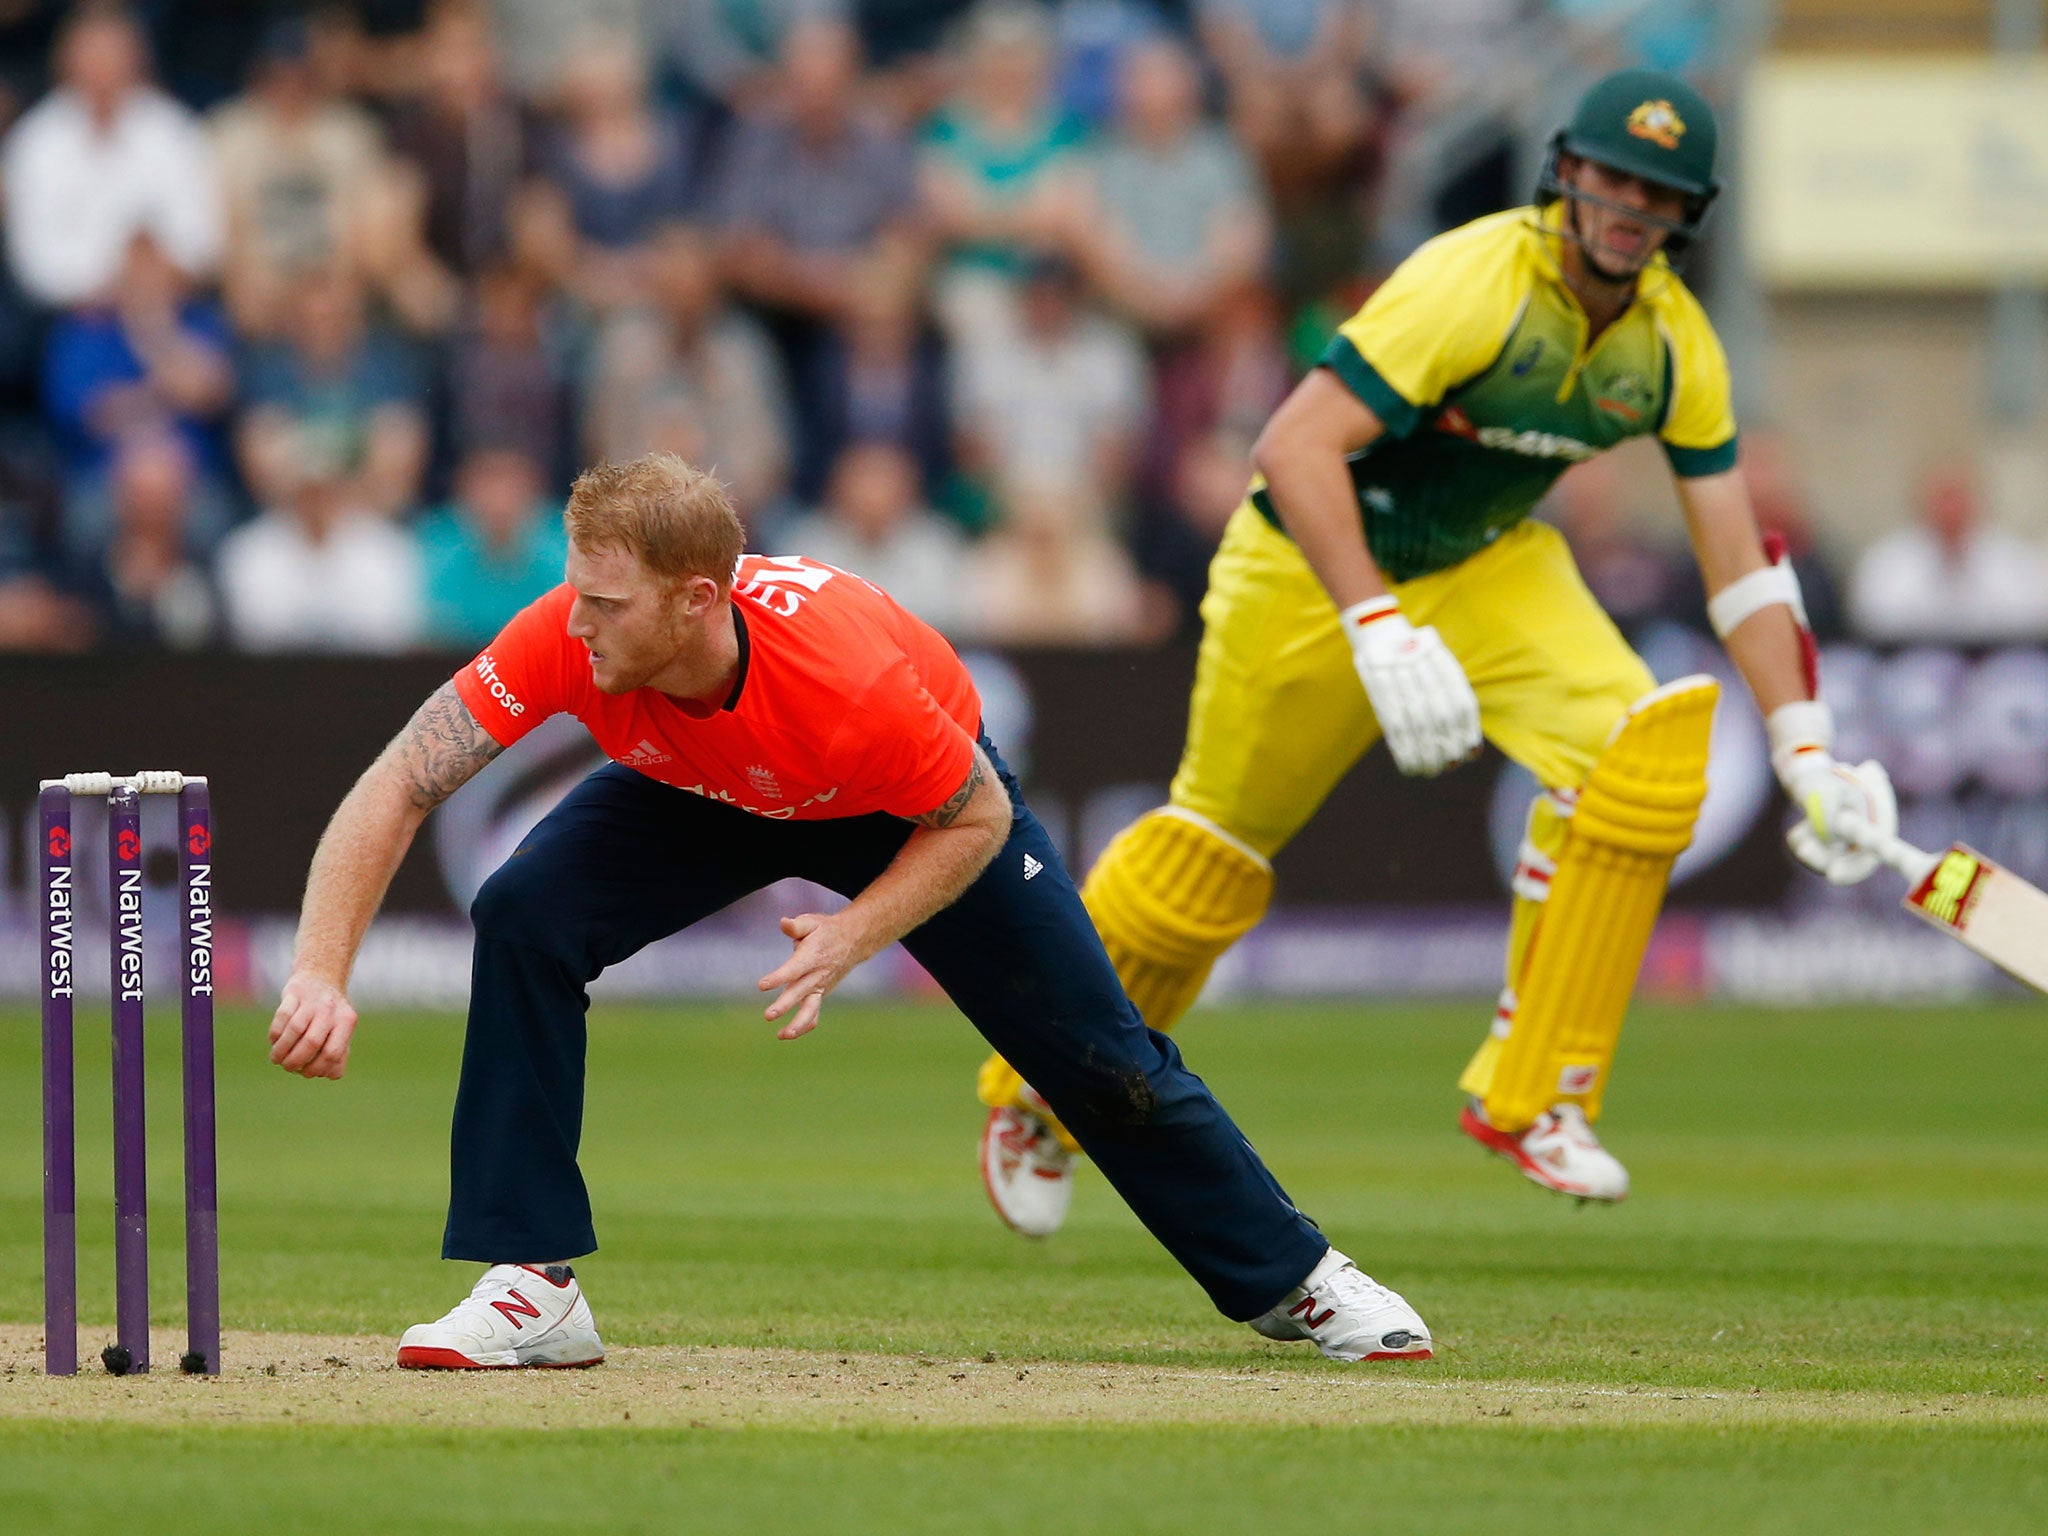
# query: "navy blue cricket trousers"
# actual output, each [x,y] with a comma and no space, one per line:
[625,860]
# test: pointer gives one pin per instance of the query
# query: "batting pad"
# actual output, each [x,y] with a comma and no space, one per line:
[1634,816]
[1169,895]
[1535,867]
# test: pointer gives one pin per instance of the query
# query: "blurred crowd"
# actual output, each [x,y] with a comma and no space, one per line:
[310,314]
[1951,576]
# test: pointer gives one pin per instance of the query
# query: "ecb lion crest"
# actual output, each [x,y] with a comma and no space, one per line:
[1659,122]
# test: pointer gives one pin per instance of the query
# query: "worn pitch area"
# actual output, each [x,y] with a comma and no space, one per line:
[337,1379]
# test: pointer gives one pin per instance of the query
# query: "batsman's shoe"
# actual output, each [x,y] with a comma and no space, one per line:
[1029,1176]
[517,1315]
[1348,1315]
[1559,1152]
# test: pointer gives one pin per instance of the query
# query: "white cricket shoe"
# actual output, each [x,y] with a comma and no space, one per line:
[1559,1152]
[517,1315]
[1348,1315]
[1028,1174]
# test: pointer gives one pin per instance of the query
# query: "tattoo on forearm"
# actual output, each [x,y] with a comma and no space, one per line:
[441,748]
[949,813]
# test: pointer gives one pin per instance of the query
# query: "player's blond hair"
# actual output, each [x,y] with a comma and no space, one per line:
[675,518]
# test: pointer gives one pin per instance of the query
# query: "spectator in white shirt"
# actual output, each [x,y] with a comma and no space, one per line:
[1056,406]
[317,573]
[1951,577]
[874,524]
[103,157]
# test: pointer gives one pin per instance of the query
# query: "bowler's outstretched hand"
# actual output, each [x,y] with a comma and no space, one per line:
[312,1028]
[824,953]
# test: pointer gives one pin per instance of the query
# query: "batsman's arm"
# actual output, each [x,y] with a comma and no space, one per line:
[1424,702]
[1765,645]
[945,854]
[1303,454]
[1755,608]
[441,748]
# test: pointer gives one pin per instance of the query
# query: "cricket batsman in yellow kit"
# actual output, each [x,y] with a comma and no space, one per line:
[1383,579]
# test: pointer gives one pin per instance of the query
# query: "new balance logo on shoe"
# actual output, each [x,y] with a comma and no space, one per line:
[515,1315]
[506,1310]
[1031,866]
[1305,1309]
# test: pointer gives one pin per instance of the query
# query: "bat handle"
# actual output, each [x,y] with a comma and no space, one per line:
[1914,863]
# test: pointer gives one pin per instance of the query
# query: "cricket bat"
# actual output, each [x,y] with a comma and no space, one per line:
[1985,906]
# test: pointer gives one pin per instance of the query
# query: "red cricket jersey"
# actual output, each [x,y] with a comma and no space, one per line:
[845,704]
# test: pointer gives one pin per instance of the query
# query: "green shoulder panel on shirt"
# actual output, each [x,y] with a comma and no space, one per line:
[1696,463]
[1400,417]
[1699,415]
[1475,355]
[1444,314]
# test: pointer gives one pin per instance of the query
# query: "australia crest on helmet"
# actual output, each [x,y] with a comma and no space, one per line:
[1659,122]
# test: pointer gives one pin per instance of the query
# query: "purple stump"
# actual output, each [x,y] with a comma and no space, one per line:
[131,1165]
[60,1135]
[202,1204]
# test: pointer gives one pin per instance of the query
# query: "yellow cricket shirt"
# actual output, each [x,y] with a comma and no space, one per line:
[1473,355]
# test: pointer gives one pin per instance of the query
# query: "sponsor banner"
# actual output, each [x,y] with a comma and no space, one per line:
[1400,887]
[1339,951]
[1840,957]
[1093,735]
[423,961]
[1907,172]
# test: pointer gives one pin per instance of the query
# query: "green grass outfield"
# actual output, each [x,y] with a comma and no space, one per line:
[1824,1308]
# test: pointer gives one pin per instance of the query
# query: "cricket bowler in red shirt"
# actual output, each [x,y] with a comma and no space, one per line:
[766,718]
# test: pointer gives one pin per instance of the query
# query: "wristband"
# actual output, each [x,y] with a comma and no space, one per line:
[1770,586]
[1806,725]
[1360,617]
[1765,587]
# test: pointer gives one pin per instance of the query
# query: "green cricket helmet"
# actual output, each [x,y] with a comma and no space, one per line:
[1650,124]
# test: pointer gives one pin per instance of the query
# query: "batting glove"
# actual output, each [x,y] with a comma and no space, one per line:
[1426,707]
[1834,798]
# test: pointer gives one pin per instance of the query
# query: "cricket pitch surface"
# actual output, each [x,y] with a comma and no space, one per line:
[337,1379]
